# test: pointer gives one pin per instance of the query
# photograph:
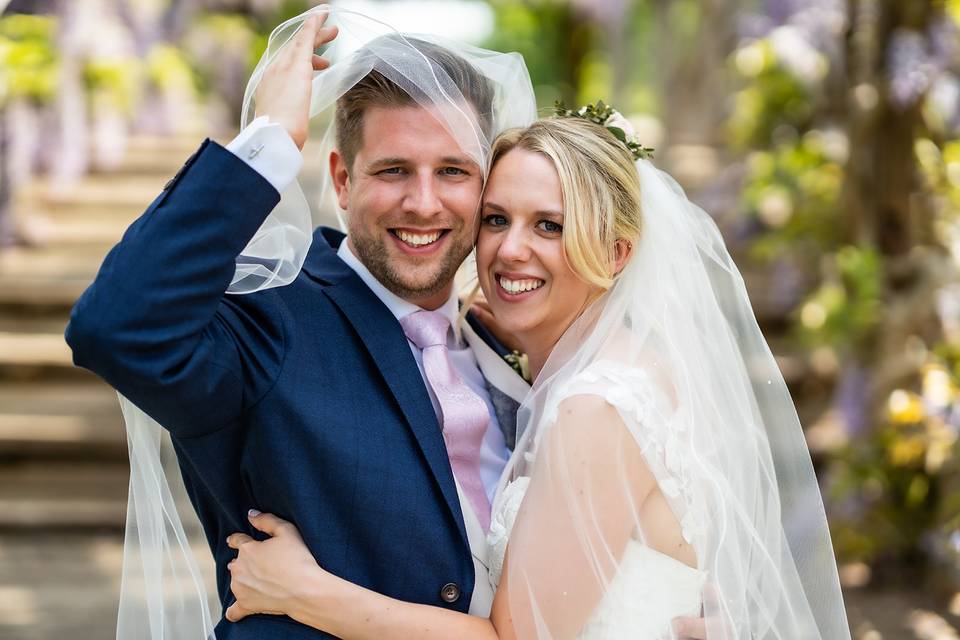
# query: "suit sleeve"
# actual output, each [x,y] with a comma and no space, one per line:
[156,323]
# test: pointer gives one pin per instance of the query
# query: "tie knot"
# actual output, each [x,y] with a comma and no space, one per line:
[426,328]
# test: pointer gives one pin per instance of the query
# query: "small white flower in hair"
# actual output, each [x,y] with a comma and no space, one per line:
[620,121]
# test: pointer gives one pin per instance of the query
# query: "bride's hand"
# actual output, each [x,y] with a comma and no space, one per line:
[481,309]
[270,576]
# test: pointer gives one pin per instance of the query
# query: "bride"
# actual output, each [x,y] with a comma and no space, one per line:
[660,469]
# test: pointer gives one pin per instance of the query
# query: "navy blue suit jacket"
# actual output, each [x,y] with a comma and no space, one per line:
[302,400]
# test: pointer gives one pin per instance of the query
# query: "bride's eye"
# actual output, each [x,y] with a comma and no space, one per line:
[550,226]
[495,220]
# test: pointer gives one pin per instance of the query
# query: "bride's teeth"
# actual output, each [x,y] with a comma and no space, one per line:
[418,239]
[519,286]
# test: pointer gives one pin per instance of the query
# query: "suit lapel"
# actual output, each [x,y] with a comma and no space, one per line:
[383,337]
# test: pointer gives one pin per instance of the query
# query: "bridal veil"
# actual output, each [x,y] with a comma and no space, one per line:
[675,347]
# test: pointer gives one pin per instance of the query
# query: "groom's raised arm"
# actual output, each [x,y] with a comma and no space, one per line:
[155,323]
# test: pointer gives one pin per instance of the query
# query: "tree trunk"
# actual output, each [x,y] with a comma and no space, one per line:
[880,207]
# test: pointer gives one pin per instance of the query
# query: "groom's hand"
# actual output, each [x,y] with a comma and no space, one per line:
[284,90]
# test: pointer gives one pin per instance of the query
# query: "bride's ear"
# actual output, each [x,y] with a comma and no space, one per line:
[622,250]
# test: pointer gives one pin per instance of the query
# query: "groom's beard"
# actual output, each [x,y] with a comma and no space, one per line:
[403,275]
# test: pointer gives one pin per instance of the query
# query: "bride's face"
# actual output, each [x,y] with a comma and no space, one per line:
[521,262]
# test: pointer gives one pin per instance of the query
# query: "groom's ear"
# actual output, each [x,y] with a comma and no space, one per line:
[341,178]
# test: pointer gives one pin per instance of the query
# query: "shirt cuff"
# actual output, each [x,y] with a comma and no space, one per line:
[270,151]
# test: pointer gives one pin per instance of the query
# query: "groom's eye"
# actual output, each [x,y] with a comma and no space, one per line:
[390,171]
[453,171]
[495,220]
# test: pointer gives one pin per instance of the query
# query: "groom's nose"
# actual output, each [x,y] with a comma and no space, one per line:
[422,196]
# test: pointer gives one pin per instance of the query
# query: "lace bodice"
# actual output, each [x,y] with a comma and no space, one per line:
[650,588]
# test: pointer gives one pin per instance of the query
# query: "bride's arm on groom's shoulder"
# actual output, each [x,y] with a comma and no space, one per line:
[155,323]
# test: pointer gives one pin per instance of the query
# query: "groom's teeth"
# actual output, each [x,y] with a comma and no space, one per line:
[418,239]
[519,286]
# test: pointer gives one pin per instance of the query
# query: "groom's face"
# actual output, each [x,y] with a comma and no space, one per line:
[411,199]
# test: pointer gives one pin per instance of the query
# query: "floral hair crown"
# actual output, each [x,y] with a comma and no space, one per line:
[612,120]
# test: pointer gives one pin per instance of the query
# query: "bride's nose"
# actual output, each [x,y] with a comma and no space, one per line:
[515,246]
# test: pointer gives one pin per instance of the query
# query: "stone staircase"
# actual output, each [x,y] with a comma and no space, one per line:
[62,446]
[63,453]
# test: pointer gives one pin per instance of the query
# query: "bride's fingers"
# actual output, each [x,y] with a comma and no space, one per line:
[483,312]
[319,64]
[268,523]
[237,540]
[690,628]
[235,613]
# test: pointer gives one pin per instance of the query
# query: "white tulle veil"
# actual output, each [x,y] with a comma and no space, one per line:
[164,594]
[727,448]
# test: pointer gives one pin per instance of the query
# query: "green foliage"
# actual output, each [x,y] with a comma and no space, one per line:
[898,475]
[114,81]
[169,69]
[843,311]
[794,191]
[217,44]
[772,97]
[29,64]
[548,35]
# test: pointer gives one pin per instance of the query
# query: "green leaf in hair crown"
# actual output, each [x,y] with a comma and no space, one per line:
[612,120]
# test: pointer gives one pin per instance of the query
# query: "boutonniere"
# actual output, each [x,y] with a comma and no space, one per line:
[518,361]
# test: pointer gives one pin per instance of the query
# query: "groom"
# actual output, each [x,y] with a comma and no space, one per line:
[316,400]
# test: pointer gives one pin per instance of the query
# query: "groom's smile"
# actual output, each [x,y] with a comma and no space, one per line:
[411,199]
[418,241]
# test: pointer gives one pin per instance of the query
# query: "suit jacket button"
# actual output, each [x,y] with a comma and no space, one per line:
[450,593]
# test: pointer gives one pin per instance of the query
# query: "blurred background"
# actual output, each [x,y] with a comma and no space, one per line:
[823,135]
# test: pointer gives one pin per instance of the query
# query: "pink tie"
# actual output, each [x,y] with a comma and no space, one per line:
[464,413]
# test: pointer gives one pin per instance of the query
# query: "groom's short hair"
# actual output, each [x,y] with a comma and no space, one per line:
[377,90]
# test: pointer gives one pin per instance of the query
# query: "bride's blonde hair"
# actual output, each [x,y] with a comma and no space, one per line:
[600,187]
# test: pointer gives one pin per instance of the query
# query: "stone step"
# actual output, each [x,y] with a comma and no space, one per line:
[60,419]
[48,350]
[106,190]
[66,584]
[50,276]
[156,155]
[63,495]
[68,232]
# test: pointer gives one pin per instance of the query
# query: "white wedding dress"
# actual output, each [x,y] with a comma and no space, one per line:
[650,588]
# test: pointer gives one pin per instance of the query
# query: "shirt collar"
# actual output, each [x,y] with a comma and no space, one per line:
[399,307]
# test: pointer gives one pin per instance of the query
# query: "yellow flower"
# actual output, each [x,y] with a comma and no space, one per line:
[906,452]
[905,407]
